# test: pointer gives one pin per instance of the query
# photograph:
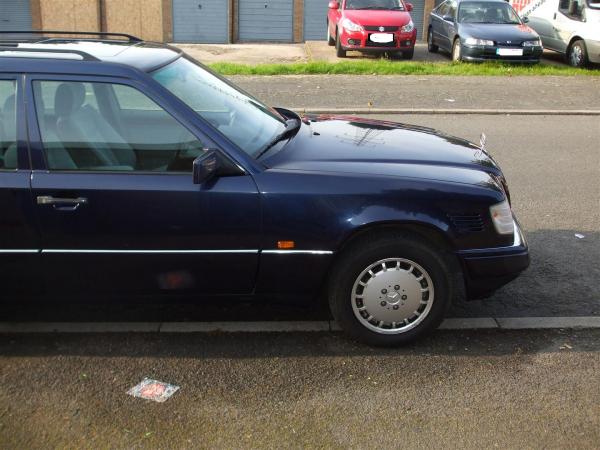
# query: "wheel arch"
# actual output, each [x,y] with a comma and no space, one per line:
[573,40]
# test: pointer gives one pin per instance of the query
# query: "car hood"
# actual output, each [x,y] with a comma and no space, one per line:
[378,18]
[346,144]
[500,33]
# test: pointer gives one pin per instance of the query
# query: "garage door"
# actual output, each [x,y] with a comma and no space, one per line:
[417,15]
[315,17]
[266,20]
[15,15]
[203,21]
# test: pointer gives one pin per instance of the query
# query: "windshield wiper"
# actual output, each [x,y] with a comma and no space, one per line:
[291,126]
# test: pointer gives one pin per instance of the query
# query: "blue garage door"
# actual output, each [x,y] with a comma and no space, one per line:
[203,21]
[266,20]
[15,15]
[315,17]
[417,15]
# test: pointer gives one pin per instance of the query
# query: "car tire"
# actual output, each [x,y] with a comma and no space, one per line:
[330,40]
[431,47]
[577,54]
[339,50]
[423,284]
[408,54]
[456,51]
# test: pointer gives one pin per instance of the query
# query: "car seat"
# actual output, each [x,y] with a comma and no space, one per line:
[90,140]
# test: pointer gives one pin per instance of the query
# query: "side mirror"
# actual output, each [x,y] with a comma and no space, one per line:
[206,166]
[525,19]
[448,18]
[334,5]
[409,7]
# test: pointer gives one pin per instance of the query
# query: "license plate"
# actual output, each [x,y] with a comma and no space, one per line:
[382,38]
[509,51]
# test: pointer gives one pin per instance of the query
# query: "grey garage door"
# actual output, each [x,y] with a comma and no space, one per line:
[417,15]
[15,15]
[203,21]
[315,17]
[266,20]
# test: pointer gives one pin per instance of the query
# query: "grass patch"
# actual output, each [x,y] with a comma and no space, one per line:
[387,67]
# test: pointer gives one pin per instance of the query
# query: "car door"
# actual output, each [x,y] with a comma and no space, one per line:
[437,27]
[448,26]
[566,23]
[116,202]
[19,238]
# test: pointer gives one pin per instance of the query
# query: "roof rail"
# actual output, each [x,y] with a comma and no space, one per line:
[85,56]
[129,37]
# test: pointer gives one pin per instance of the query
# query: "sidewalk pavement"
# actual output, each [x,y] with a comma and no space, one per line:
[326,92]
[304,52]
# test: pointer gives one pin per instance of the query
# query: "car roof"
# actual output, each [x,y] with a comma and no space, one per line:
[135,53]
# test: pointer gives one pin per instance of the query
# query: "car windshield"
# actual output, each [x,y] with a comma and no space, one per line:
[245,121]
[487,12]
[396,5]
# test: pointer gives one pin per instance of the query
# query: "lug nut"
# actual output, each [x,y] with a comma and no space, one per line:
[384,291]
[396,306]
[383,303]
[404,297]
[396,287]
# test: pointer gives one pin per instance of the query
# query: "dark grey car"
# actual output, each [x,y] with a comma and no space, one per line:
[482,30]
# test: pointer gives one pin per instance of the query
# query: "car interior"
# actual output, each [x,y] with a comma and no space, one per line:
[106,127]
[8,126]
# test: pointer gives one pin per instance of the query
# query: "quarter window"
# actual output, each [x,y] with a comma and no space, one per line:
[110,127]
[8,124]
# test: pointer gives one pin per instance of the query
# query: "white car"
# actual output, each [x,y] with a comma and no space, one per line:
[571,27]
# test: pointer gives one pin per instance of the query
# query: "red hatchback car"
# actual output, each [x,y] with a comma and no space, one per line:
[371,26]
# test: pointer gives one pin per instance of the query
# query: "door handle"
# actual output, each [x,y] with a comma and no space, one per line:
[62,204]
[49,200]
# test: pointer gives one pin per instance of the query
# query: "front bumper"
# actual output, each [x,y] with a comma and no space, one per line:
[486,270]
[360,41]
[482,53]
[593,50]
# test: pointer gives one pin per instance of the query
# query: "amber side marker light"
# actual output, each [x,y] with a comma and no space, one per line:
[285,244]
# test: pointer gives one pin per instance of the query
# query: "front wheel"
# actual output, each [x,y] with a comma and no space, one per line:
[389,290]
[456,51]
[431,47]
[330,40]
[408,54]
[577,54]
[339,50]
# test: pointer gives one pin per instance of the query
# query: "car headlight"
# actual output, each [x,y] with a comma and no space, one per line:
[475,41]
[502,218]
[351,26]
[536,43]
[408,27]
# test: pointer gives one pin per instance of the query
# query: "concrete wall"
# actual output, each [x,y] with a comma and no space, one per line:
[66,15]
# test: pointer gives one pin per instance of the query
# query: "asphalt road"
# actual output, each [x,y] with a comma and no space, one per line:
[452,390]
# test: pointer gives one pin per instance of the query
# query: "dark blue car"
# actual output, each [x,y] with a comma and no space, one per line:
[129,168]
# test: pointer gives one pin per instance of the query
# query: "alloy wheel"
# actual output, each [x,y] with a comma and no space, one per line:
[392,296]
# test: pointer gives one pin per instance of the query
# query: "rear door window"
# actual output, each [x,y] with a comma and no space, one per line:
[8,124]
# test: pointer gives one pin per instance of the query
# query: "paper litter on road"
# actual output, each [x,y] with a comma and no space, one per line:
[154,390]
[579,236]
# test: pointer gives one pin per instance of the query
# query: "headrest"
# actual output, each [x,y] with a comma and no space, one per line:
[69,98]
